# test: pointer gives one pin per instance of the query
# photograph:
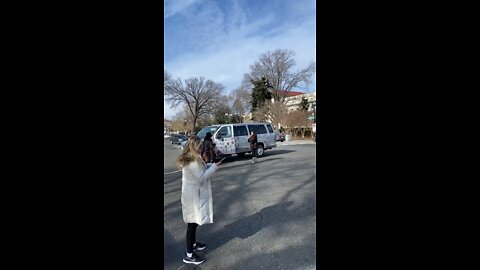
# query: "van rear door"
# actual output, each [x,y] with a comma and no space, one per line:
[263,135]
[271,136]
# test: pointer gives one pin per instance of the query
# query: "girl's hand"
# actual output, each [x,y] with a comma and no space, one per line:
[220,162]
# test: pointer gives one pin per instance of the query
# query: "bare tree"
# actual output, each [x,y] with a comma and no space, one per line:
[273,112]
[182,119]
[278,68]
[261,114]
[296,121]
[205,120]
[221,113]
[276,113]
[166,77]
[241,100]
[197,94]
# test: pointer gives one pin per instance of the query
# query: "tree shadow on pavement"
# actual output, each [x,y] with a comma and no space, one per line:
[277,152]
[263,160]
[173,253]
[250,225]
[292,257]
[233,165]
[236,192]
[249,156]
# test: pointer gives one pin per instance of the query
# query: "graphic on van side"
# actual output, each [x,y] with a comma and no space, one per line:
[227,146]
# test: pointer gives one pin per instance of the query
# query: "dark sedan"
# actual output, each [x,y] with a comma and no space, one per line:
[178,138]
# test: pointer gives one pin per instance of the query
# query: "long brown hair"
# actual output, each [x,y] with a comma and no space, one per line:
[190,152]
[253,135]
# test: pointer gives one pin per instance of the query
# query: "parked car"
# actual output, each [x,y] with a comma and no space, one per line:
[233,138]
[280,137]
[178,138]
[182,144]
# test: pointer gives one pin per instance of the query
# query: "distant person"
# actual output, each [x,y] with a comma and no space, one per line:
[197,204]
[252,139]
[208,149]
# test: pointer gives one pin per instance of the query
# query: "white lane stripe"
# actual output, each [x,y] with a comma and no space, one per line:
[171,172]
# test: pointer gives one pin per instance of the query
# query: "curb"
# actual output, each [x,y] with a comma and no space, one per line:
[296,142]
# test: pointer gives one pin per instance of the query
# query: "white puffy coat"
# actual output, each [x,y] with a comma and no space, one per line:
[197,204]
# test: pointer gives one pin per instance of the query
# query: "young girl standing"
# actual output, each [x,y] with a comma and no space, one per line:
[253,145]
[197,205]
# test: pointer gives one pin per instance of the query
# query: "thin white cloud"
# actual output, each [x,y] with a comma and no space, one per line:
[229,61]
[236,44]
[173,7]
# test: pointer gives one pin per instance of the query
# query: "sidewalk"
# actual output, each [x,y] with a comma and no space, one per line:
[295,142]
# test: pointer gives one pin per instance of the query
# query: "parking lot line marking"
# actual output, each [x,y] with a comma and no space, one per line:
[171,172]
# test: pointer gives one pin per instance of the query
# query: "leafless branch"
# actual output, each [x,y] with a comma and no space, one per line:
[198,95]
[278,67]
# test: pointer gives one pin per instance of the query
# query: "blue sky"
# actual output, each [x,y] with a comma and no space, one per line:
[220,39]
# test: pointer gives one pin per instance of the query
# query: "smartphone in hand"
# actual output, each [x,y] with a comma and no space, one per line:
[218,163]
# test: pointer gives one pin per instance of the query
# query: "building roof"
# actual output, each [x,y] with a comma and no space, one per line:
[287,93]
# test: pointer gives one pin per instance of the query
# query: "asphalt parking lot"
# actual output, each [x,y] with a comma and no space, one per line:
[264,213]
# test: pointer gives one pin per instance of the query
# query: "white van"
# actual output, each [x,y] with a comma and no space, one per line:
[233,138]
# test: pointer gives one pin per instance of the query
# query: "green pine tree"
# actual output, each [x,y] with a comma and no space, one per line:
[303,107]
[261,92]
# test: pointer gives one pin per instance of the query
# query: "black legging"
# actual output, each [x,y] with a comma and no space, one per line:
[254,151]
[191,231]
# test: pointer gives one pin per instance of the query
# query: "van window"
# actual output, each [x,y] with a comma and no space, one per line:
[224,132]
[270,129]
[204,131]
[260,129]
[240,131]
[251,128]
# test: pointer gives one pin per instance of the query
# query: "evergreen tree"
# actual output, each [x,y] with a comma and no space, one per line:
[303,107]
[260,93]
